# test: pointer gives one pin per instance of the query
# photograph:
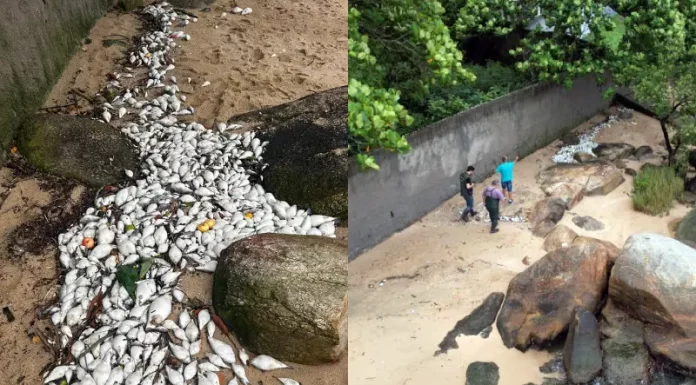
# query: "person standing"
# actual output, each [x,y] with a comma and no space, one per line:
[492,197]
[506,170]
[466,186]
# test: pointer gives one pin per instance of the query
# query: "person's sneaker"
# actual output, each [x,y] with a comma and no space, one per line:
[465,218]
[510,201]
[474,213]
[494,231]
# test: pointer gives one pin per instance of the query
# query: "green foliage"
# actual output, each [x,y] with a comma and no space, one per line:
[409,50]
[373,116]
[655,188]
[492,81]
[557,54]
[128,275]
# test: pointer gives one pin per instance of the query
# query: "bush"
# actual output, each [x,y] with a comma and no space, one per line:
[493,80]
[655,188]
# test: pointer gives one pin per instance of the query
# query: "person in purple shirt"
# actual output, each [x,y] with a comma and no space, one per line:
[492,197]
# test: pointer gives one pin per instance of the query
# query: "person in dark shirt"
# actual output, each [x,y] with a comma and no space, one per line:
[466,185]
[492,197]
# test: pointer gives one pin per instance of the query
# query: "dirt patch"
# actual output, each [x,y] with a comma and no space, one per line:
[34,209]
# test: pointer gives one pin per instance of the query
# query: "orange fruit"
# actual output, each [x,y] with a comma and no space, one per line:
[88,242]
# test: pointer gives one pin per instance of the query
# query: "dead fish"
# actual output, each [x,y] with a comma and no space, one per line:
[223,350]
[240,373]
[267,363]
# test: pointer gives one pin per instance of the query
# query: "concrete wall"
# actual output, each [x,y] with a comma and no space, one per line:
[37,39]
[409,186]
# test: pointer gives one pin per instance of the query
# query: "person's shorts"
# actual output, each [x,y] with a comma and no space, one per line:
[507,186]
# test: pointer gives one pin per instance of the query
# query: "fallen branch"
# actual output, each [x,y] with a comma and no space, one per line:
[58,106]
[81,94]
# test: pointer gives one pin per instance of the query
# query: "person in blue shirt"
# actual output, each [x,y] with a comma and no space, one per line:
[506,171]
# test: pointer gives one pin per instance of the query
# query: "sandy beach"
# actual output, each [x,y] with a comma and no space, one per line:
[409,291]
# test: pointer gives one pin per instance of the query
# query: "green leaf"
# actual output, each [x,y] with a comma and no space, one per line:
[144,267]
[127,276]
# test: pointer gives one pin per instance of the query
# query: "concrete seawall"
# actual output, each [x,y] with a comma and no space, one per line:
[37,40]
[409,186]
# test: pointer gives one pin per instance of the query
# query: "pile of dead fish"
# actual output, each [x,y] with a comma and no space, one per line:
[585,144]
[197,197]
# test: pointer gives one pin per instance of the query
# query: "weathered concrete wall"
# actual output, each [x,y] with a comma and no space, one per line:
[37,39]
[409,186]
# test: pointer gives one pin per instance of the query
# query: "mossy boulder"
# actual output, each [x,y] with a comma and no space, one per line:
[38,38]
[191,4]
[129,5]
[686,230]
[307,151]
[286,296]
[77,147]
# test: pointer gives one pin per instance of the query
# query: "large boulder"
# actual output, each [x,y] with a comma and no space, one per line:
[545,214]
[540,301]
[561,236]
[643,152]
[626,360]
[582,354]
[571,182]
[192,4]
[76,147]
[653,281]
[613,151]
[686,230]
[608,247]
[285,295]
[307,151]
[690,185]
[129,5]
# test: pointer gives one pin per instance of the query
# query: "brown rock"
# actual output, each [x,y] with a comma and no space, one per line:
[643,152]
[620,164]
[653,281]
[608,247]
[560,236]
[583,157]
[613,151]
[571,182]
[545,214]
[540,300]
[582,354]
[630,171]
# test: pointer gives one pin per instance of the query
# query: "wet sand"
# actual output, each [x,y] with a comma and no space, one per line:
[442,269]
